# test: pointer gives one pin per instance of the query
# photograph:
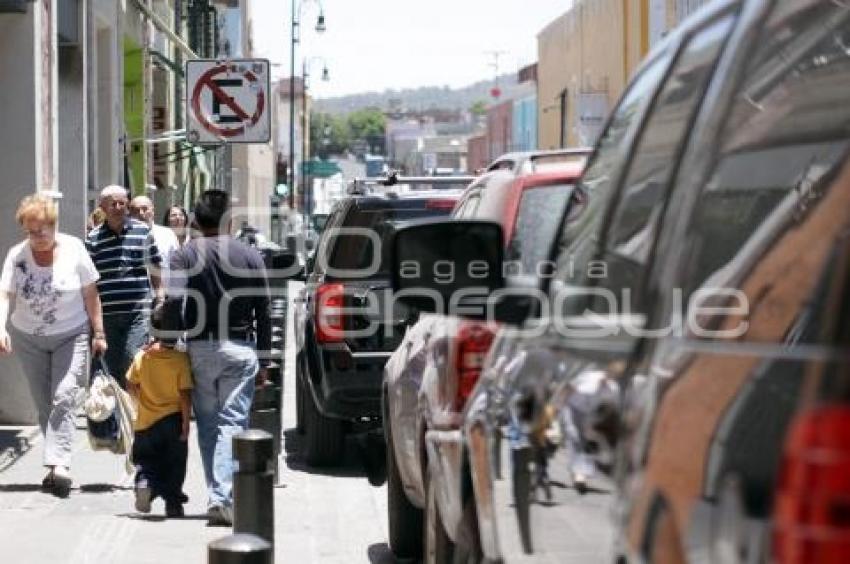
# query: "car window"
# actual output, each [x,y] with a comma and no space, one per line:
[352,248]
[633,229]
[322,244]
[468,207]
[540,210]
[579,233]
[501,165]
[776,196]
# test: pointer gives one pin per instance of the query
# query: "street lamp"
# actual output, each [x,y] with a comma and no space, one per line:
[305,157]
[320,27]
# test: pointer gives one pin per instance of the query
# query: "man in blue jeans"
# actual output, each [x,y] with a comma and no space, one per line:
[225,302]
[124,252]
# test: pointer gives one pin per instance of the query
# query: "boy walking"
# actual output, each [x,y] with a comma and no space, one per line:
[161,379]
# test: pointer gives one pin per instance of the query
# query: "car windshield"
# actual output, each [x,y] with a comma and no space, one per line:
[354,243]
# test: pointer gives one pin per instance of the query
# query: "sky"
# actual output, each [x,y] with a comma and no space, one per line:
[373,45]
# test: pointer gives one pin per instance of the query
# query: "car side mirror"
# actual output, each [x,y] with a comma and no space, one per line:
[448,266]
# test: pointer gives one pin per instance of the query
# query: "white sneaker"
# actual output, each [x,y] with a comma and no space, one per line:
[220,515]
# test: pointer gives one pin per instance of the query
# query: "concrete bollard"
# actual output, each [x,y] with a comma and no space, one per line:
[239,549]
[253,484]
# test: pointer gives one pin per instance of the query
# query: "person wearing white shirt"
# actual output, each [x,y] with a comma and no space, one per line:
[141,208]
[48,282]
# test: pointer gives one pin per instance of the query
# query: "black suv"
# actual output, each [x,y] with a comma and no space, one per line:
[346,326]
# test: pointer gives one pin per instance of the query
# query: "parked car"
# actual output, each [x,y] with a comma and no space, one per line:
[527,162]
[736,445]
[433,371]
[346,326]
[723,166]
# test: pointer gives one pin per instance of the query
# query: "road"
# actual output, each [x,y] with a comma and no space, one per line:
[351,168]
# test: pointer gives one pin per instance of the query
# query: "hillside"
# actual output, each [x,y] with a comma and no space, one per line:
[423,98]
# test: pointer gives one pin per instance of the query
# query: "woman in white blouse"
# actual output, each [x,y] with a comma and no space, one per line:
[50,279]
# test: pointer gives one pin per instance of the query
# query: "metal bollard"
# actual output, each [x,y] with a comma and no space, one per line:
[239,549]
[253,484]
[265,415]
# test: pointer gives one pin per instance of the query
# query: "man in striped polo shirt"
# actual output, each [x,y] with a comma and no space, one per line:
[124,252]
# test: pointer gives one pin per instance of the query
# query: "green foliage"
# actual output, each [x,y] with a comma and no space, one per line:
[334,135]
[478,108]
[368,122]
[329,134]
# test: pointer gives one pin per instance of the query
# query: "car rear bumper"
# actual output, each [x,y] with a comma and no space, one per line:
[349,386]
[445,455]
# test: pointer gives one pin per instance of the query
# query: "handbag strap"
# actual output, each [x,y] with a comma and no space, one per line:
[98,362]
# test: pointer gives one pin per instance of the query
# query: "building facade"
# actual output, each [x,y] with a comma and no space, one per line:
[93,96]
[585,59]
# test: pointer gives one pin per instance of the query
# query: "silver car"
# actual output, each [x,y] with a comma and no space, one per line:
[432,372]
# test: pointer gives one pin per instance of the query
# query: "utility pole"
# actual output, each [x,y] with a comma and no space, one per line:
[291,167]
[494,56]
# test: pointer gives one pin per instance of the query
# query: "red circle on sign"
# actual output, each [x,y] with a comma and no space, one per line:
[206,81]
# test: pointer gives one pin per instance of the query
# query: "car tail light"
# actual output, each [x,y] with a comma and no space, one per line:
[440,204]
[812,509]
[472,343]
[329,318]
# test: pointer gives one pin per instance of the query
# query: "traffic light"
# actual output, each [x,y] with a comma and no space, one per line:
[282,173]
[274,218]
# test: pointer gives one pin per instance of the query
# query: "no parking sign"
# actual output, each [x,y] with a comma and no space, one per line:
[228,101]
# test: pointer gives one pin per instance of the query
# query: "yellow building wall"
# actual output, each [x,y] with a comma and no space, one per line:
[592,49]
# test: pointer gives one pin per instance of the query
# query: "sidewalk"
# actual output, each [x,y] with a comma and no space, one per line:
[320,517]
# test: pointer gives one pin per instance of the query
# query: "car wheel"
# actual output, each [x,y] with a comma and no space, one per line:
[324,440]
[299,395]
[439,548]
[404,518]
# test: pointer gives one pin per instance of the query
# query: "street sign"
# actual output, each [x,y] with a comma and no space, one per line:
[323,169]
[228,101]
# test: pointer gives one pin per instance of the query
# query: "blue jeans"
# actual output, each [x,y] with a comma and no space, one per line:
[224,373]
[126,333]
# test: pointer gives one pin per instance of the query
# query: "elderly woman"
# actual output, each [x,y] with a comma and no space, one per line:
[51,281]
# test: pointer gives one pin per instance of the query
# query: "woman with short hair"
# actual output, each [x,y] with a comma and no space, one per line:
[50,279]
[178,220]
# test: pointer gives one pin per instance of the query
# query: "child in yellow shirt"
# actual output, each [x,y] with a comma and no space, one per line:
[160,378]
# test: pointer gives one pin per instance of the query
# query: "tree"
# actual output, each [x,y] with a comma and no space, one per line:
[478,108]
[333,135]
[329,135]
[368,124]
